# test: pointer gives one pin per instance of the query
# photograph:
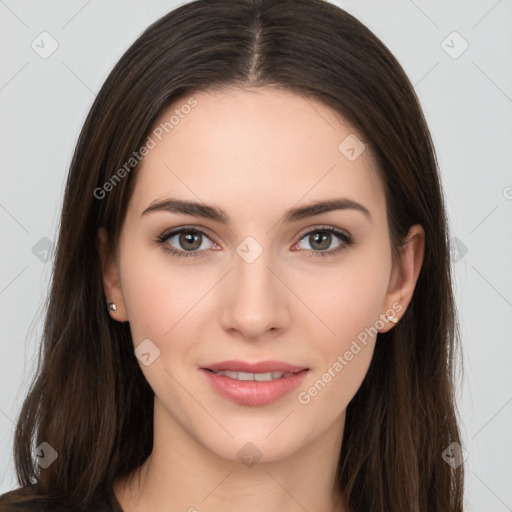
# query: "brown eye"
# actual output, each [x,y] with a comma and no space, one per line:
[185,242]
[321,240]
[188,240]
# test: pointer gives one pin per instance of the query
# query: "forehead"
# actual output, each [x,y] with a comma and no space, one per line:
[256,146]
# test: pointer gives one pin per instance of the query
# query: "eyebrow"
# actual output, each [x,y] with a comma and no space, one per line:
[295,214]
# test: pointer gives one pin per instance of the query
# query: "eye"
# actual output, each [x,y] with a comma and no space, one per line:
[184,241]
[190,242]
[320,240]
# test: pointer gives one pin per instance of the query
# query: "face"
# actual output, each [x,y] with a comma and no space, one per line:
[258,276]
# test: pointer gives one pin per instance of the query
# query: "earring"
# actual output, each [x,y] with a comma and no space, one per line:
[111,306]
[392,319]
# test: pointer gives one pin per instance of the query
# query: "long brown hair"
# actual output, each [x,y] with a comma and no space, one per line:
[90,400]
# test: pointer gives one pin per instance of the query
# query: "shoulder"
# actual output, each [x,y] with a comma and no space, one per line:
[18,500]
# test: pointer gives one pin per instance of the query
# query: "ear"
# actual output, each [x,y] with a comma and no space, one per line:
[405,275]
[111,279]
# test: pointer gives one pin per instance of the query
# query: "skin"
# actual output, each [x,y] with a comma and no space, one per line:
[254,153]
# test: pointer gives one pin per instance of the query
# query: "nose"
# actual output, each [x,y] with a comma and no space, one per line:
[254,299]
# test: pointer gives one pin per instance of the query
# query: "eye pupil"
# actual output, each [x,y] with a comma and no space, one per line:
[321,238]
[187,239]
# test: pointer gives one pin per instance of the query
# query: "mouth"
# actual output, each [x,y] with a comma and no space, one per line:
[255,368]
[249,376]
[254,383]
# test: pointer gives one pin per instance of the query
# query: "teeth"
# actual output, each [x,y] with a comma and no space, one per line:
[260,377]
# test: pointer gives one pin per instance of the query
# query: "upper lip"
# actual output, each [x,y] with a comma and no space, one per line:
[256,367]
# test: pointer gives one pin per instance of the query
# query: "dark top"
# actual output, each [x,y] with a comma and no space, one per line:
[105,501]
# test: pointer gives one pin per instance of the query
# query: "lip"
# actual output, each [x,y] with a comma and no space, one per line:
[256,367]
[254,392]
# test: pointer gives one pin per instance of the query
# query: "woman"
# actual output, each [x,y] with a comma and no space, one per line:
[301,356]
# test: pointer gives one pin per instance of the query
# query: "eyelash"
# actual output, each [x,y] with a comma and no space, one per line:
[345,239]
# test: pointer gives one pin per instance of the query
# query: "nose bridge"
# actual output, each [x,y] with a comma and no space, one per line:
[253,302]
[253,273]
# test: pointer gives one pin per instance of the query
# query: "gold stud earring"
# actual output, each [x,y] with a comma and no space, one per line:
[392,319]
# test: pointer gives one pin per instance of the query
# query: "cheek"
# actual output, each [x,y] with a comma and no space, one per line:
[352,312]
[349,297]
[349,301]
[158,295]
[163,305]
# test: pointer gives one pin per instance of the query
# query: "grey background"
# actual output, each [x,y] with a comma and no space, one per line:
[468,104]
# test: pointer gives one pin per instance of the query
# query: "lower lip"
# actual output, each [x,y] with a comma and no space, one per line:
[250,392]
